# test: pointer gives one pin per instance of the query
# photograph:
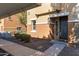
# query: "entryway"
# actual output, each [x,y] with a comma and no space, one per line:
[60,27]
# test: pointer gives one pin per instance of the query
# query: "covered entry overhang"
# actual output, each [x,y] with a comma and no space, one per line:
[7,9]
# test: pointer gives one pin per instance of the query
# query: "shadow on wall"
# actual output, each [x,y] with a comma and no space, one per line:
[50,35]
[51,26]
[51,32]
[77,31]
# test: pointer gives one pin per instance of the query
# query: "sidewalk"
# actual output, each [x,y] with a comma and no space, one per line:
[19,50]
[55,49]
[16,49]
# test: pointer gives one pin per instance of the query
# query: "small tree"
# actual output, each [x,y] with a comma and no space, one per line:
[23,18]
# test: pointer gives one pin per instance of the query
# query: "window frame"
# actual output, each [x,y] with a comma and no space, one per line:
[33,30]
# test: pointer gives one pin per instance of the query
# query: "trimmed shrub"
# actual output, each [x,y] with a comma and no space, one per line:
[23,37]
[17,35]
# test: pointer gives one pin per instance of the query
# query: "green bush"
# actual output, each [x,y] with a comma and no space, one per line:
[23,37]
[17,35]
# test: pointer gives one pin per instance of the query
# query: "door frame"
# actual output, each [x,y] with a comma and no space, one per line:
[56,29]
[57,19]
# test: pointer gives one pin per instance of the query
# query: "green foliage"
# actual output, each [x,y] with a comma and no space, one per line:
[23,18]
[17,35]
[23,37]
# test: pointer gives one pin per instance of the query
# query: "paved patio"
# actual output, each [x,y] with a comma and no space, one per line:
[35,47]
[55,49]
[39,45]
[70,51]
[16,49]
[20,50]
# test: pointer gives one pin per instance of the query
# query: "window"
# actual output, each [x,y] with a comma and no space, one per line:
[33,24]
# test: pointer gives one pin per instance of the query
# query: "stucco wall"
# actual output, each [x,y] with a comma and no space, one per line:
[42,26]
[31,14]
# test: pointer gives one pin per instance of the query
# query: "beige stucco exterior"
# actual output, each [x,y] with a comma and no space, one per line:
[31,14]
[42,27]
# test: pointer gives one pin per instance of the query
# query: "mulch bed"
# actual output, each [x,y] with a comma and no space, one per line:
[37,44]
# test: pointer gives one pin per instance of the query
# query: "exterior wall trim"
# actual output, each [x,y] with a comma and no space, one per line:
[33,19]
[31,25]
[40,23]
[33,31]
[59,14]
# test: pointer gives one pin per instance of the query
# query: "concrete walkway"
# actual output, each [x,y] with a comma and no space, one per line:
[16,49]
[55,49]
[19,50]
